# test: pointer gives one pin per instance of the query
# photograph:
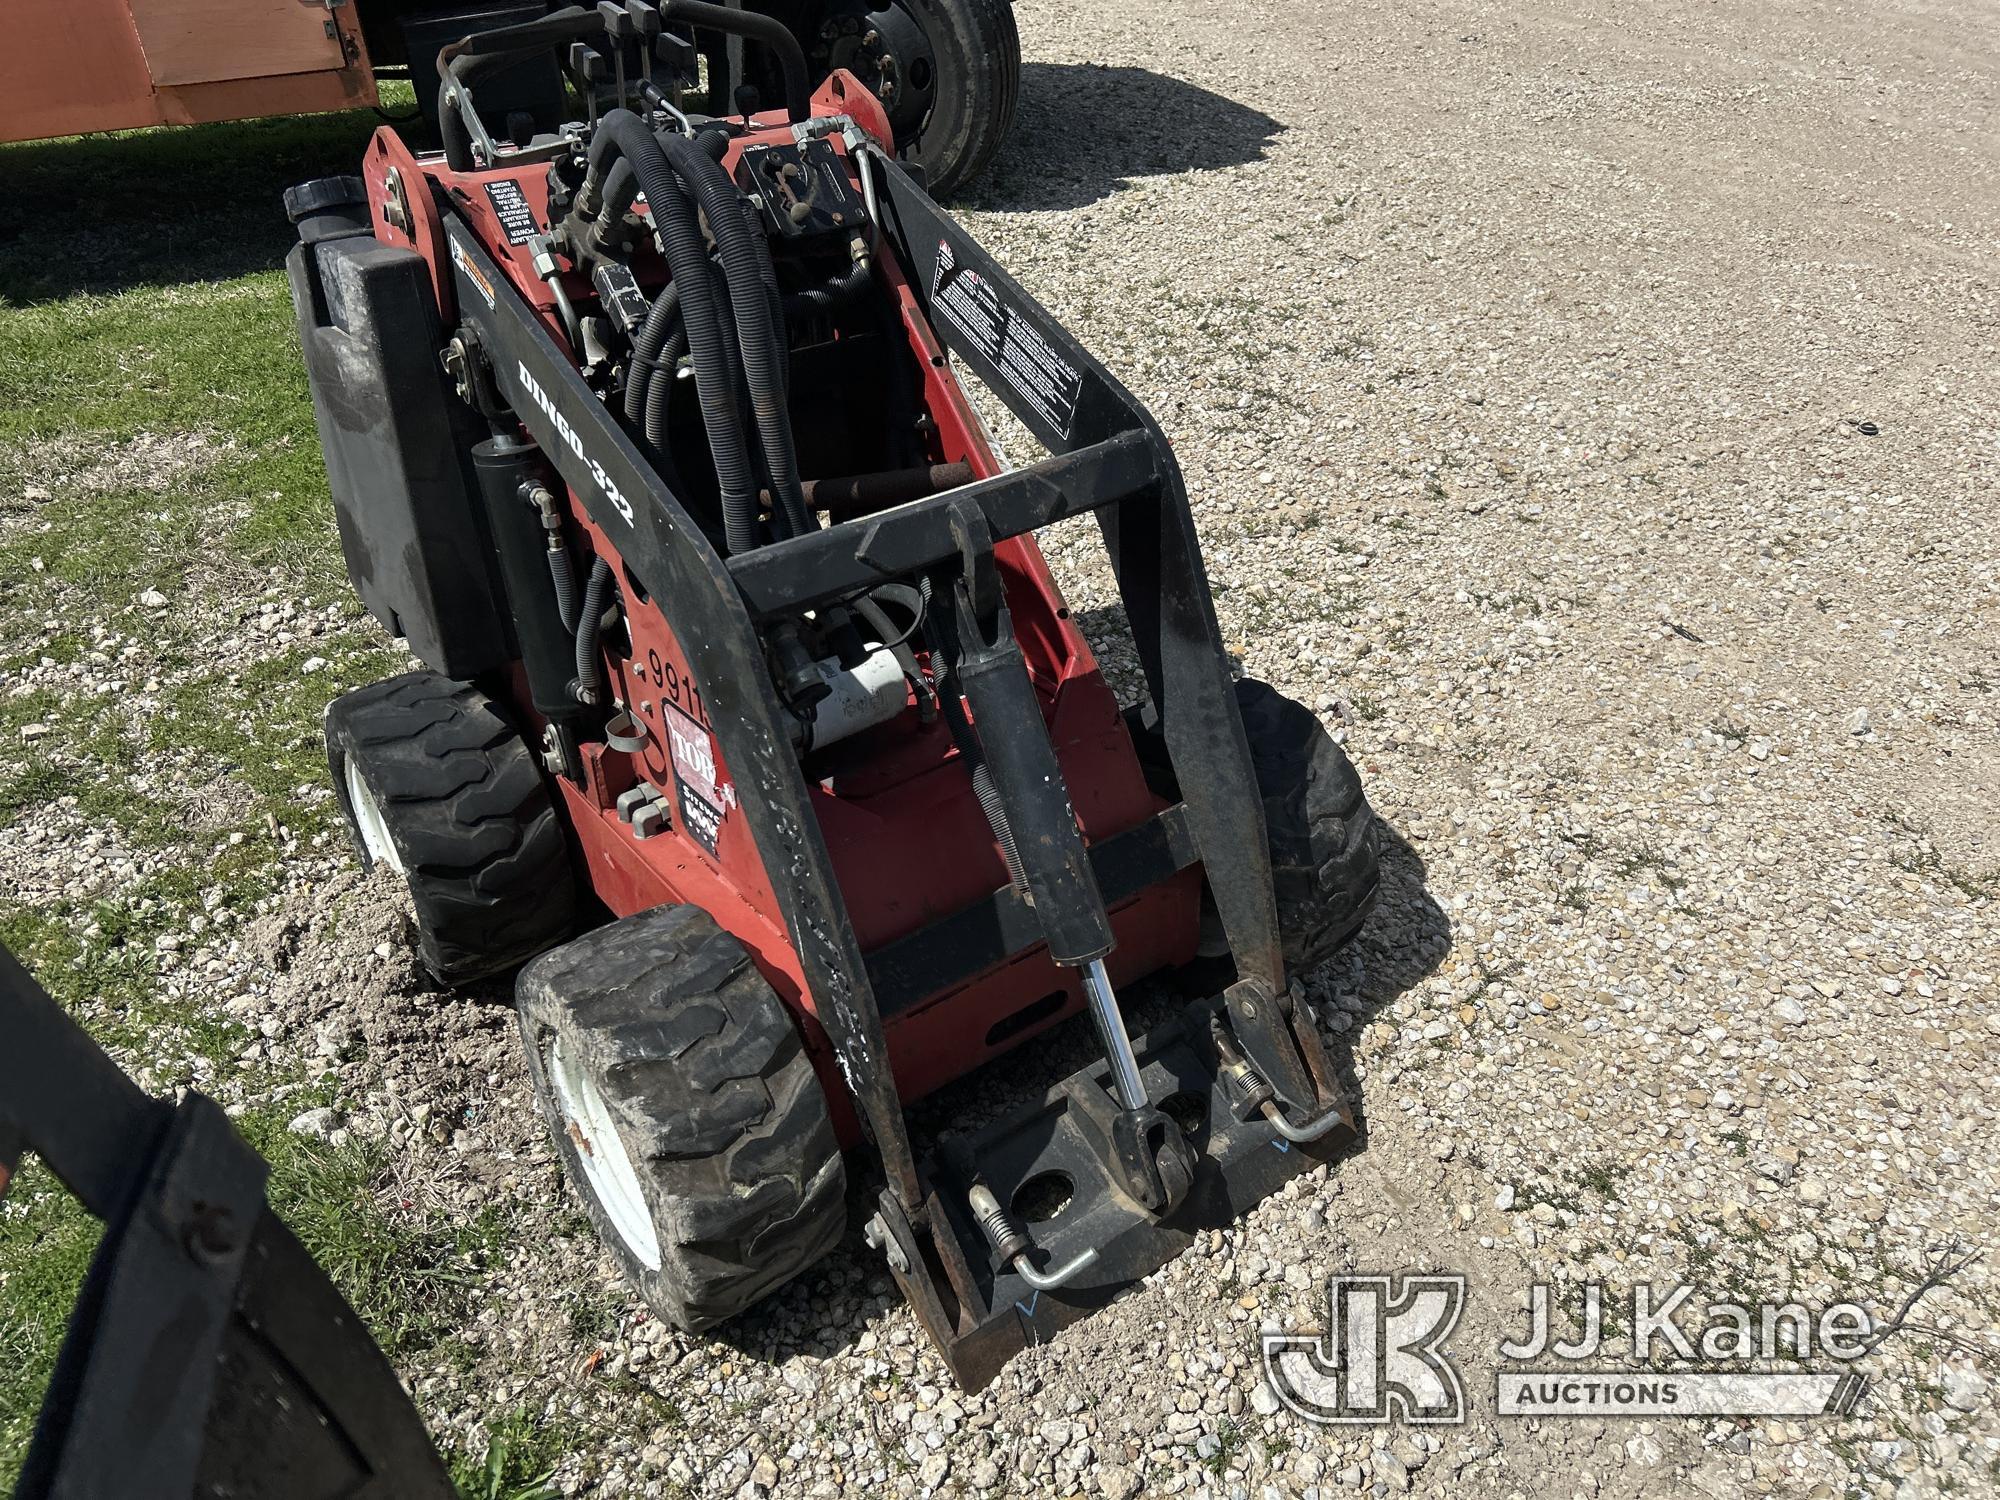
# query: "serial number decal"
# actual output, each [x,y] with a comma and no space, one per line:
[570,437]
[678,686]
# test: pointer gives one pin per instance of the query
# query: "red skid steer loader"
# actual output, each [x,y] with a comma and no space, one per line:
[647,434]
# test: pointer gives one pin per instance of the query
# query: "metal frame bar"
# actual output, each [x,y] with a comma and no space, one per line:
[690,585]
[1156,556]
[843,559]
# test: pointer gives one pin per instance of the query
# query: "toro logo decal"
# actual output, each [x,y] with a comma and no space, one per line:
[704,796]
[572,440]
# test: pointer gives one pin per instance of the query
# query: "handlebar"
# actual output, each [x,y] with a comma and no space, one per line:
[467,142]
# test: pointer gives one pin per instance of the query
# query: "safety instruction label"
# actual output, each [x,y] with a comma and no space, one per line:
[973,305]
[511,208]
[697,782]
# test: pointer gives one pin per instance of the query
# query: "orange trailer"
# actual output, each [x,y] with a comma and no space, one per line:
[72,66]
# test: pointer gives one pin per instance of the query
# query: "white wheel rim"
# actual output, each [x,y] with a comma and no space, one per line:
[369,822]
[601,1153]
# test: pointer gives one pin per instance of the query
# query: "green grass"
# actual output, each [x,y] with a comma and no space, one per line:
[159,306]
[1229,1438]
[162,209]
[410,1273]
[156,432]
[158,313]
[518,1461]
[46,1242]
[109,979]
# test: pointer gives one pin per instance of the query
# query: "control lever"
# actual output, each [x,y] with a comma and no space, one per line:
[586,67]
[646,27]
[618,28]
[682,60]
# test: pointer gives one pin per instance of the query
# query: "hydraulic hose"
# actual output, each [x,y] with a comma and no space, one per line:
[732,358]
[621,186]
[774,301]
[565,581]
[596,599]
[831,295]
[746,268]
[660,393]
[623,133]
[963,736]
[661,320]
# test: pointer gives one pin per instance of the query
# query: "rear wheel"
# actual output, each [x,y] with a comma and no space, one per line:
[686,1111]
[1322,834]
[442,790]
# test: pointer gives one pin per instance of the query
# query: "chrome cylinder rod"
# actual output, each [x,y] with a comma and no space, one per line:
[1110,1023]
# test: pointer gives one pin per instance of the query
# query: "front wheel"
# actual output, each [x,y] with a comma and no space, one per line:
[686,1111]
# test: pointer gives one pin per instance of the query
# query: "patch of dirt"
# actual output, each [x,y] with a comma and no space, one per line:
[34,474]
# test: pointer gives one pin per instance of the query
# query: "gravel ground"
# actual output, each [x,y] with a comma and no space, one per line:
[1595,417]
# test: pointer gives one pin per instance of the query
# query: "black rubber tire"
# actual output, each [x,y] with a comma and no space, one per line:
[714,1100]
[1325,845]
[978,53]
[464,805]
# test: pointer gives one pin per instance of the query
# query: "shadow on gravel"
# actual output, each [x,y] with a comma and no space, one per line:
[1404,940]
[107,213]
[1083,131]
[828,1308]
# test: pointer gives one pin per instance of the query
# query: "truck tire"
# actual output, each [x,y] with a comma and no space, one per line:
[441,789]
[978,53]
[686,1111]
[1325,846]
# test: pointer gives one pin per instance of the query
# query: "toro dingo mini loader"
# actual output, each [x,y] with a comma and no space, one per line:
[648,436]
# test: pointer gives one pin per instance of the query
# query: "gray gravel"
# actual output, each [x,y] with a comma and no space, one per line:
[1595,417]
[1519,362]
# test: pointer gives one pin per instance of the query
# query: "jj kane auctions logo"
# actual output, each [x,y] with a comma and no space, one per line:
[1382,1354]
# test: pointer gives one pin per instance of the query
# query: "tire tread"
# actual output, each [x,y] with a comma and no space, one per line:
[480,841]
[721,1109]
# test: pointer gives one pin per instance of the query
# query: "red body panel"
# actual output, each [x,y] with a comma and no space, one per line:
[908,840]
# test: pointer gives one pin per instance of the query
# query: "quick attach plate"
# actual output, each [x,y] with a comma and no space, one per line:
[984,1314]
